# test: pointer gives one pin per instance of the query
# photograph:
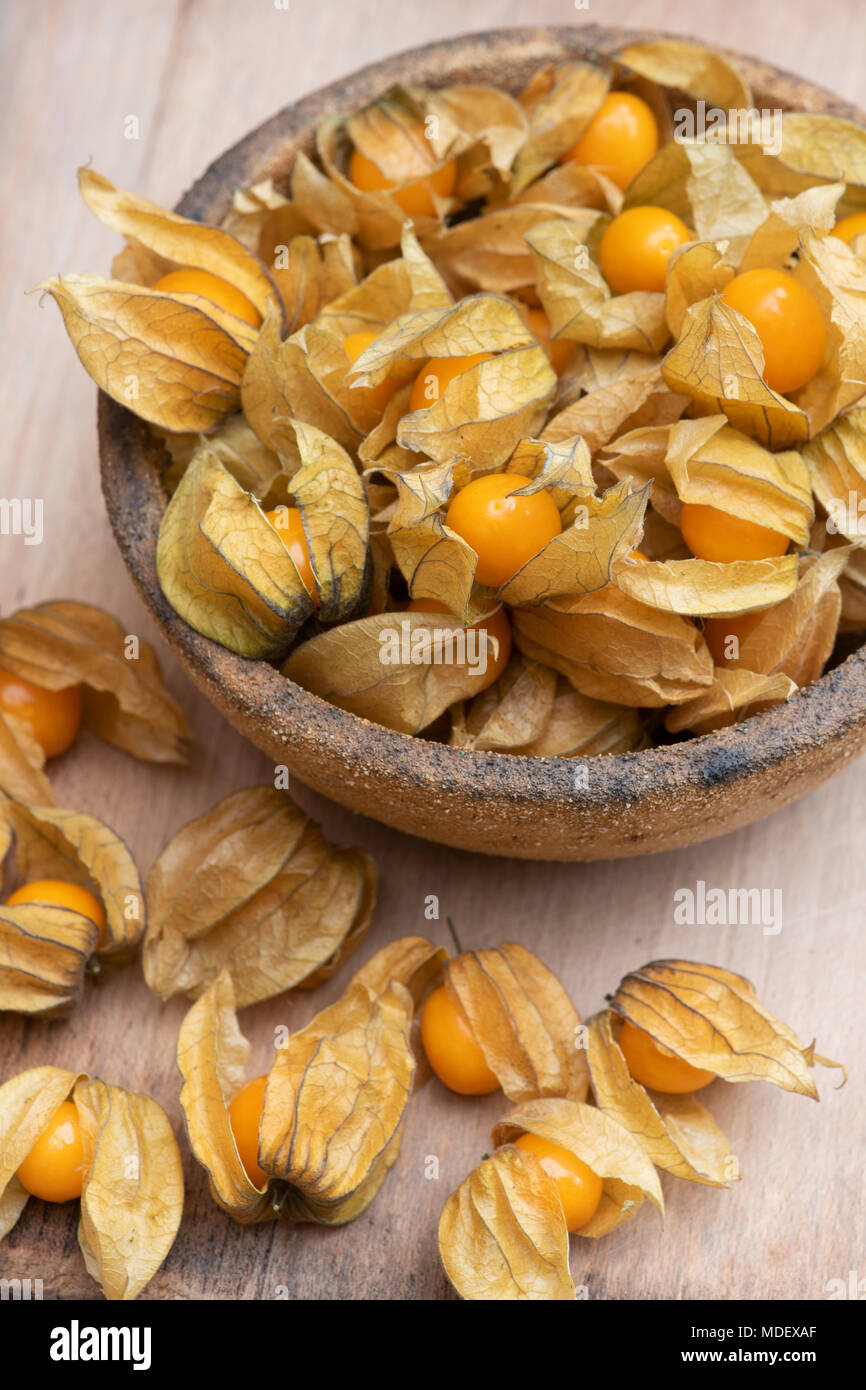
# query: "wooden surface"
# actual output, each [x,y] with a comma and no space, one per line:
[198,74]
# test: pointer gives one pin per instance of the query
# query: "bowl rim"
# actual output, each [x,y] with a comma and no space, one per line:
[819,714]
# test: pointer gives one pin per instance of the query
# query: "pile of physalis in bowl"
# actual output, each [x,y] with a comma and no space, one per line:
[522,422]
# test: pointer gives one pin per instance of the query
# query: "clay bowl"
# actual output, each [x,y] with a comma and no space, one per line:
[496,804]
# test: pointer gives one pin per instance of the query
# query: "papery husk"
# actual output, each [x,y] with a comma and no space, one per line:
[125,702]
[435,561]
[562,467]
[391,132]
[77,848]
[158,354]
[21,762]
[560,101]
[599,1141]
[44,951]
[678,1134]
[489,253]
[611,647]
[574,190]
[836,460]
[132,1188]
[582,559]
[224,568]
[132,1198]
[280,382]
[179,242]
[523,1021]
[778,238]
[327,201]
[713,465]
[379,450]
[309,272]
[533,711]
[695,272]
[307,375]
[796,638]
[212,1055]
[578,301]
[255,467]
[852,587]
[383,295]
[440,328]
[411,961]
[640,455]
[618,407]
[253,887]
[515,710]
[711,1019]
[344,666]
[732,696]
[597,367]
[705,588]
[705,185]
[502,1234]
[580,727]
[338,1089]
[250,208]
[374,220]
[691,68]
[836,277]
[330,494]
[816,146]
[718,361]
[28,1102]
[485,126]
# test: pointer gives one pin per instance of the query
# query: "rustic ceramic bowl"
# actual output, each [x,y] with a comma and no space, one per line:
[533,808]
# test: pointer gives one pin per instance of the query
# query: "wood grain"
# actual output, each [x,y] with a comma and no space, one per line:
[197,74]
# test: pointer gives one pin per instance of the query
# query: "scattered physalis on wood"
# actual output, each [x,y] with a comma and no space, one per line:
[254,888]
[79,906]
[561,1166]
[63,1137]
[314,1139]
[67,664]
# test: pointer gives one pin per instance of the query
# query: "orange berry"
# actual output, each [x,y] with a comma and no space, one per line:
[56,892]
[220,292]
[287,522]
[711,534]
[54,1168]
[53,715]
[451,1048]
[378,396]
[415,198]
[620,139]
[437,373]
[718,632]
[851,227]
[635,248]
[579,1187]
[559,350]
[658,1069]
[505,531]
[496,624]
[787,319]
[245,1116]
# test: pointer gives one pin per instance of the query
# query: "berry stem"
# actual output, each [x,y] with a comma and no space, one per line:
[454,937]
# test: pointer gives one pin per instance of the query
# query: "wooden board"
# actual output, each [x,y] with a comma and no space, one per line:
[197,74]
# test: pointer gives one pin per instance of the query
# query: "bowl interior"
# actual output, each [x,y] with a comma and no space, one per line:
[495,803]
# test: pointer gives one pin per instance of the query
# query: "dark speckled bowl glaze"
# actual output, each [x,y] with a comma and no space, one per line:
[534,808]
